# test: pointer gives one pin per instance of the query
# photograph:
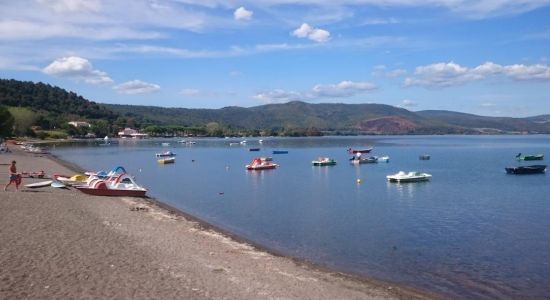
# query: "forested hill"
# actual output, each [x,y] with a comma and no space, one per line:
[49,99]
[52,107]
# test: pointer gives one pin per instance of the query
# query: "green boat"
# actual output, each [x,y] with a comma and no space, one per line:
[530,157]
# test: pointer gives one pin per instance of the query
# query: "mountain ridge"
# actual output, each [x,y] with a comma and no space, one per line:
[291,118]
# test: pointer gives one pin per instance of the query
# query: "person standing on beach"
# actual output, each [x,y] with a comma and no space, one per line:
[14,177]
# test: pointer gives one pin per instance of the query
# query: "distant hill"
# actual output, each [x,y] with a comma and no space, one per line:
[287,119]
[489,124]
[339,118]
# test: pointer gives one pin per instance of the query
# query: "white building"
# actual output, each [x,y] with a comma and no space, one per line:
[129,132]
[80,124]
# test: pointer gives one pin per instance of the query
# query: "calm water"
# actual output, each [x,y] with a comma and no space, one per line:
[471,232]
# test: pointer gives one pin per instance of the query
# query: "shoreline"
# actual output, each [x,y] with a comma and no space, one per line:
[355,286]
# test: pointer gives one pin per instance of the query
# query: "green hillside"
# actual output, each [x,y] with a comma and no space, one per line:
[49,107]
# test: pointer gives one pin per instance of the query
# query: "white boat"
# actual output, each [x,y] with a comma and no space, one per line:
[384,158]
[166,154]
[409,177]
[39,184]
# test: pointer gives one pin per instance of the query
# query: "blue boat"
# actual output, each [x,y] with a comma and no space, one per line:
[280,152]
[254,149]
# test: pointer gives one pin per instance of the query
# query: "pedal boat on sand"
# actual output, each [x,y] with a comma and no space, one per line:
[323,161]
[121,185]
[530,157]
[409,177]
[259,164]
[533,169]
[166,160]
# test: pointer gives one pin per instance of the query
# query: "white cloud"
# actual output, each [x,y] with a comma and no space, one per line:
[76,68]
[136,87]
[382,71]
[243,14]
[407,103]
[278,96]
[314,34]
[380,21]
[343,89]
[71,5]
[450,74]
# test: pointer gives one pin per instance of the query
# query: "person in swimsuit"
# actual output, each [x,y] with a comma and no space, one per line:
[14,177]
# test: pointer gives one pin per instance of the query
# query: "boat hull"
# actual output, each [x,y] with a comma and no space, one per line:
[534,169]
[321,164]
[353,151]
[112,192]
[164,161]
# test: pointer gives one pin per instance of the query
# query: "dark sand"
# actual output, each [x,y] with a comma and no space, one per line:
[62,244]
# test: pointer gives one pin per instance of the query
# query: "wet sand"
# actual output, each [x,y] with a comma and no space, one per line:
[60,243]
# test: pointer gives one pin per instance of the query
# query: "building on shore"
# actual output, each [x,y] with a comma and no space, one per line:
[80,124]
[132,133]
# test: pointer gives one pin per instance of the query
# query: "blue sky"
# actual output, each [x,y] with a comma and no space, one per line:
[487,57]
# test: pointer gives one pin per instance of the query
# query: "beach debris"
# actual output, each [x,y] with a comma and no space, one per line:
[139,208]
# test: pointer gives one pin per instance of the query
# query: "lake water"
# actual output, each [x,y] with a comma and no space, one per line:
[471,232]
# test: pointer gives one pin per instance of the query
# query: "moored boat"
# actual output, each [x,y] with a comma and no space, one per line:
[280,151]
[166,154]
[254,149]
[424,157]
[353,151]
[259,164]
[533,169]
[323,161]
[530,157]
[409,177]
[384,158]
[363,160]
[166,160]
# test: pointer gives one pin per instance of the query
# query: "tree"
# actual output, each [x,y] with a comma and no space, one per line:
[213,129]
[6,122]
[24,118]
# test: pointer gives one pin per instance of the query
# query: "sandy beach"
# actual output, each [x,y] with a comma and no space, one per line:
[60,243]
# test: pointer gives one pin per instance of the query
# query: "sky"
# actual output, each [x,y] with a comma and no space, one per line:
[486,57]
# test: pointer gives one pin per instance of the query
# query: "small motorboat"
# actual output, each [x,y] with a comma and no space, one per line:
[165,144]
[323,161]
[259,164]
[363,160]
[353,151]
[166,154]
[530,157]
[166,160]
[409,177]
[424,157]
[533,169]
[254,149]
[121,185]
[280,151]
[384,158]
